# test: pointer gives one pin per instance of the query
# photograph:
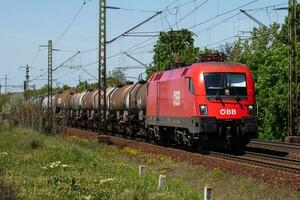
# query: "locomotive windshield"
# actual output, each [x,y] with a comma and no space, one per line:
[221,85]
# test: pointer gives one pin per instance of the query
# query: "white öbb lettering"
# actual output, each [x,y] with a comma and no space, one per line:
[228,111]
[176,98]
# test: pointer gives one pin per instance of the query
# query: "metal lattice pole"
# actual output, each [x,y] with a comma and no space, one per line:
[5,84]
[27,77]
[50,84]
[102,118]
[293,72]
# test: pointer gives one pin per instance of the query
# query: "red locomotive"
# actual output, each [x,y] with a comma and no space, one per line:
[208,104]
[205,104]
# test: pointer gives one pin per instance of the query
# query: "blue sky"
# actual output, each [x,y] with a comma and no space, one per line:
[26,24]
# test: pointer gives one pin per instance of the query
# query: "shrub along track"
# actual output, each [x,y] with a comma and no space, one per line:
[268,169]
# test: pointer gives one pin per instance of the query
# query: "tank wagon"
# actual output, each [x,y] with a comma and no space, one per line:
[209,104]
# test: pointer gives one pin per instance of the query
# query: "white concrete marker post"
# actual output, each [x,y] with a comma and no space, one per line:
[207,193]
[142,170]
[162,181]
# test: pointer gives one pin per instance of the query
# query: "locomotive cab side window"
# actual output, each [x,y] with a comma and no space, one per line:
[225,85]
[191,86]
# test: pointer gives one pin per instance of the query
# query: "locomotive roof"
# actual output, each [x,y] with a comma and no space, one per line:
[198,68]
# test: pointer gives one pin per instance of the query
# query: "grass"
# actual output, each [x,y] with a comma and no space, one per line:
[42,167]
[225,186]
[35,166]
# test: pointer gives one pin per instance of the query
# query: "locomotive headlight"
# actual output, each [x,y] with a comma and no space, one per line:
[251,110]
[203,110]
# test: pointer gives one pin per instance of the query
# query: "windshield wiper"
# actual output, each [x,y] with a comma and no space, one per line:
[218,97]
[237,97]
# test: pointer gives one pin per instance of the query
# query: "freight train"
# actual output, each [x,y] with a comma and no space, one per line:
[208,104]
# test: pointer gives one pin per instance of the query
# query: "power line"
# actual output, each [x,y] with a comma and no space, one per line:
[191,12]
[226,39]
[72,22]
[137,10]
[219,23]
[138,46]
[163,10]
[131,29]
[266,7]
[222,14]
[89,74]
[66,61]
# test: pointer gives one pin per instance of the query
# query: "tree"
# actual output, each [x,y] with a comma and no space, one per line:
[65,87]
[173,44]
[83,85]
[116,77]
[267,57]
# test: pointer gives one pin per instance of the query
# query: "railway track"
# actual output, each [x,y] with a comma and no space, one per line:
[257,159]
[253,158]
[263,160]
[249,157]
[275,145]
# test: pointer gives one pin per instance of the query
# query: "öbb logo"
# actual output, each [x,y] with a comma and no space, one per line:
[228,111]
[176,98]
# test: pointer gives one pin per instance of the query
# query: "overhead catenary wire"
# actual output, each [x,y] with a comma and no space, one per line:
[133,28]
[222,14]
[223,40]
[206,21]
[237,14]
[163,10]
[136,10]
[71,23]
[188,14]
[142,44]
[267,7]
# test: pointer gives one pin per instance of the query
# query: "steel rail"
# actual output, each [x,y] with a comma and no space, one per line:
[291,165]
[272,142]
[275,144]
[256,162]
[280,159]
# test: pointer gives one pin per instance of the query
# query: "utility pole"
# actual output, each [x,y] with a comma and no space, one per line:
[50,83]
[293,72]
[27,77]
[5,84]
[26,81]
[51,121]
[102,118]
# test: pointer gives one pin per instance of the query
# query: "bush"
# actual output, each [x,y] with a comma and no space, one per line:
[30,115]
[34,143]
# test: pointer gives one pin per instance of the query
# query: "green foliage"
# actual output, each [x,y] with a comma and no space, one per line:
[267,57]
[284,30]
[116,77]
[84,85]
[170,43]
